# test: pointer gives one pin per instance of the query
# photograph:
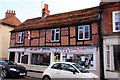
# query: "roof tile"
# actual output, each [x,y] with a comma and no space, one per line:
[62,19]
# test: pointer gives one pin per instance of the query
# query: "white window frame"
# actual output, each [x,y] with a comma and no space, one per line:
[108,57]
[55,32]
[20,36]
[83,26]
[114,20]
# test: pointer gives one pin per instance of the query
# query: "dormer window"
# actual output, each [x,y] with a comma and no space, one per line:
[84,32]
[116,21]
[55,35]
[20,37]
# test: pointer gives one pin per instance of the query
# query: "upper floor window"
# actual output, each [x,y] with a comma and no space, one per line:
[116,21]
[20,37]
[55,35]
[84,32]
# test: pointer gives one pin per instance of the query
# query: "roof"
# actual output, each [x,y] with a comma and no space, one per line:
[11,21]
[61,19]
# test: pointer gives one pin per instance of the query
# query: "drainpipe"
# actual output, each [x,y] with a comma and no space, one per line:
[102,77]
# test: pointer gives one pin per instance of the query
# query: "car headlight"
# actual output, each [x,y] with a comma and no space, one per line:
[13,69]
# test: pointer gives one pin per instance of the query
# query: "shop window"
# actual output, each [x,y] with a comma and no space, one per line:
[20,37]
[85,60]
[22,58]
[25,59]
[116,21]
[116,49]
[84,32]
[55,35]
[40,59]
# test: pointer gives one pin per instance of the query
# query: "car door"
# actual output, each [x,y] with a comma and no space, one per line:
[55,71]
[66,71]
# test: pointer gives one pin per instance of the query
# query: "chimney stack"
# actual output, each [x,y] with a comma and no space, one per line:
[10,13]
[45,11]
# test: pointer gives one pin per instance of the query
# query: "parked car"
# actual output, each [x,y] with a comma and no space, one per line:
[65,70]
[10,69]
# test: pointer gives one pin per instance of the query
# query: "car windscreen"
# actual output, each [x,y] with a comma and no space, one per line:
[6,62]
[80,68]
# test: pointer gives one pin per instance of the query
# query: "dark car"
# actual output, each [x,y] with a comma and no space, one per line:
[10,69]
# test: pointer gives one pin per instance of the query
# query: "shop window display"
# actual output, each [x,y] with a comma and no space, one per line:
[40,59]
[85,60]
[56,57]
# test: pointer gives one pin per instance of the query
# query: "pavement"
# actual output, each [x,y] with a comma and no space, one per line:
[35,74]
[25,78]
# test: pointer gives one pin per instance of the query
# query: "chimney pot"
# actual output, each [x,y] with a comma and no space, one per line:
[46,6]
[45,11]
[9,13]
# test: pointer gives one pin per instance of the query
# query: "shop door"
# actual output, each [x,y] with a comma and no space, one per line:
[12,56]
[116,56]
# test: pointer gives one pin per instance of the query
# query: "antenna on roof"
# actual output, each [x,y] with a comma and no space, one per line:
[41,6]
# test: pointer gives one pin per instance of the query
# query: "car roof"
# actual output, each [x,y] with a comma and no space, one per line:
[64,62]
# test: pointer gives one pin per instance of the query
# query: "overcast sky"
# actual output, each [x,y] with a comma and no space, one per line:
[27,9]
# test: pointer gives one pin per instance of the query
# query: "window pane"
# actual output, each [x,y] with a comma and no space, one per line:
[25,59]
[52,35]
[57,36]
[108,58]
[19,54]
[57,30]
[22,37]
[80,28]
[80,34]
[19,39]
[117,21]
[86,32]
[56,66]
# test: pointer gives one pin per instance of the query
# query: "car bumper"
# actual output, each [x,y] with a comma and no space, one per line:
[17,74]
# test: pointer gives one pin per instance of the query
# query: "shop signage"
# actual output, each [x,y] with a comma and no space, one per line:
[63,49]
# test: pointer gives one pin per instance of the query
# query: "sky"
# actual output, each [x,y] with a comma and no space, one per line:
[27,9]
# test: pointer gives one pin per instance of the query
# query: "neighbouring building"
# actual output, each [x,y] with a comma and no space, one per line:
[6,25]
[110,23]
[71,36]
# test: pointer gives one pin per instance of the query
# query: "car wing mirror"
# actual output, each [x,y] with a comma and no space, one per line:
[72,70]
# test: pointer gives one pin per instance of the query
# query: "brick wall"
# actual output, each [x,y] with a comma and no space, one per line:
[107,27]
[68,37]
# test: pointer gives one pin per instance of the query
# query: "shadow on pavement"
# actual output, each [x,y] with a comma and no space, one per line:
[25,78]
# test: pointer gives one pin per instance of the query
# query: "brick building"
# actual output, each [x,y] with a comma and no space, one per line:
[70,36]
[110,23]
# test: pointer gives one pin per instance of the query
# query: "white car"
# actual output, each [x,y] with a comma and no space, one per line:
[67,71]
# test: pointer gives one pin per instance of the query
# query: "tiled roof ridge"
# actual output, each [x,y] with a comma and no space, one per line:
[11,22]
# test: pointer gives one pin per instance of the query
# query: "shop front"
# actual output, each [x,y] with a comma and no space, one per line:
[112,57]
[33,57]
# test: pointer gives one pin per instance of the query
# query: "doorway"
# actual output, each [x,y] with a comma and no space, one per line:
[116,56]
[12,56]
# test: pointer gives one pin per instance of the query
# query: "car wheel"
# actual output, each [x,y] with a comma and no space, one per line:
[4,73]
[46,78]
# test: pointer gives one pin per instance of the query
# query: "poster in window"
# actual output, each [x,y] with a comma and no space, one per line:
[86,60]
[57,57]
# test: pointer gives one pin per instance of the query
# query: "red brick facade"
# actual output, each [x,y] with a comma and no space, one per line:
[107,26]
[68,37]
